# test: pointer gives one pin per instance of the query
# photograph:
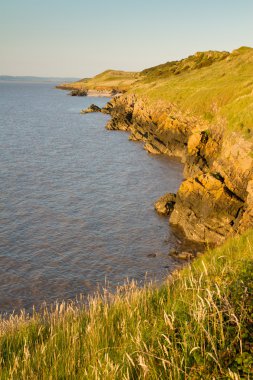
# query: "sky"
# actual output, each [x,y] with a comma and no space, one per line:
[81,38]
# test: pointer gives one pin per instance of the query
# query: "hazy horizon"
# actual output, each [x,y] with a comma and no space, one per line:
[34,76]
[62,39]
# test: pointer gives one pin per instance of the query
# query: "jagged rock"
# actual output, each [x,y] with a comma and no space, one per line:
[235,163]
[162,127]
[247,214]
[90,109]
[173,252]
[215,200]
[135,136]
[185,256]
[205,209]
[193,143]
[151,149]
[165,204]
[78,92]
[181,255]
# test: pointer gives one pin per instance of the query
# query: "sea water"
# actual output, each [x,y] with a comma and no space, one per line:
[76,200]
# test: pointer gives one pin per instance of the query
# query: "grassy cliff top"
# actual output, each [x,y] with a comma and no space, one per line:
[107,80]
[208,84]
[193,62]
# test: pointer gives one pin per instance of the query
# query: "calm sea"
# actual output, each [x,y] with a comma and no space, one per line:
[76,200]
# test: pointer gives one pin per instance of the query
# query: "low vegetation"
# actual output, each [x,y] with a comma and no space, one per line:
[207,85]
[211,85]
[197,325]
[193,62]
[109,80]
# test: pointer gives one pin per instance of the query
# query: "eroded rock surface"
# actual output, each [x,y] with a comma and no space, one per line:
[216,198]
[165,204]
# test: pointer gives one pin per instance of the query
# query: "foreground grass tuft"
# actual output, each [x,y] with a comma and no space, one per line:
[197,325]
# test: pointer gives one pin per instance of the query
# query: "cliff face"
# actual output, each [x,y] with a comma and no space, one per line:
[163,128]
[216,198]
[198,109]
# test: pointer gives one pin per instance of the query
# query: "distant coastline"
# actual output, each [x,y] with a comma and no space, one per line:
[31,79]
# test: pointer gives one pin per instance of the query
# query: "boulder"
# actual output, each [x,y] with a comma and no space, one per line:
[181,255]
[165,204]
[206,209]
[151,149]
[90,109]
[173,252]
[185,256]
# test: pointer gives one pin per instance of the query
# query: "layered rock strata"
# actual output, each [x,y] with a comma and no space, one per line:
[216,198]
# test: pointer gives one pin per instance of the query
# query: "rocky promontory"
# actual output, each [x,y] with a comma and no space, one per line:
[215,200]
[107,84]
[198,109]
[78,92]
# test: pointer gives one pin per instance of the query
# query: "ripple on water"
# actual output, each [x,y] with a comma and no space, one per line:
[76,200]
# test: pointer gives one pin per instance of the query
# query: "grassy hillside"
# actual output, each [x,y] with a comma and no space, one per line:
[108,80]
[193,62]
[198,325]
[208,84]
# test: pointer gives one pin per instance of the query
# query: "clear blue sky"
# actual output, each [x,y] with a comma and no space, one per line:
[84,37]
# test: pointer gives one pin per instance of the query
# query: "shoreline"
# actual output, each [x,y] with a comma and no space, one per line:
[186,249]
[89,92]
[196,323]
[215,198]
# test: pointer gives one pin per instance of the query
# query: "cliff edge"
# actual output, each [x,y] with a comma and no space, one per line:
[201,110]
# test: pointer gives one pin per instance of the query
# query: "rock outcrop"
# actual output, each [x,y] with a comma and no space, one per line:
[90,109]
[216,198]
[165,204]
[79,89]
[78,92]
[163,127]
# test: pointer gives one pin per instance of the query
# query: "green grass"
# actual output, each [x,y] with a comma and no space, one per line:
[210,85]
[197,325]
[108,80]
[221,87]
[113,79]
[193,62]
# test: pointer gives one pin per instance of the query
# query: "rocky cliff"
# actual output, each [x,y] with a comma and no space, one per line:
[199,109]
[216,198]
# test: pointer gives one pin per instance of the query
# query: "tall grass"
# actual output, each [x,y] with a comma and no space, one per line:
[197,325]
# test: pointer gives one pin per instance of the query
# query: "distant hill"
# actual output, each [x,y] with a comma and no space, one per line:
[106,81]
[9,78]
[191,63]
